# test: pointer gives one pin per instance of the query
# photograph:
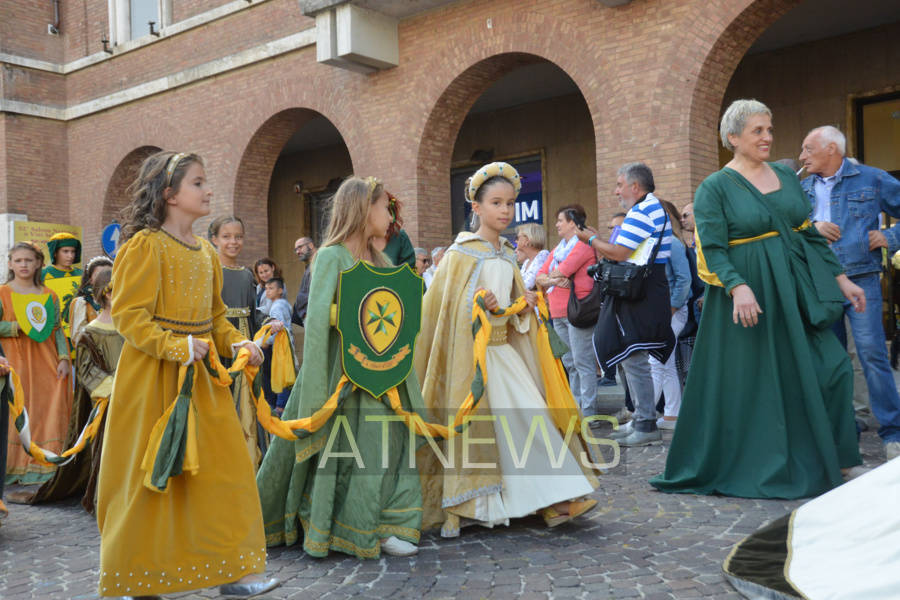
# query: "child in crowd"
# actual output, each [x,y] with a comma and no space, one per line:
[162,530]
[239,294]
[62,276]
[96,356]
[37,349]
[342,506]
[264,269]
[492,486]
[84,307]
[280,317]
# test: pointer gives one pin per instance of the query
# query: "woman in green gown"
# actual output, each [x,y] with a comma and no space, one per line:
[360,507]
[767,407]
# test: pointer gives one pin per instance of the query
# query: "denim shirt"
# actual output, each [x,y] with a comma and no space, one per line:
[859,195]
[678,272]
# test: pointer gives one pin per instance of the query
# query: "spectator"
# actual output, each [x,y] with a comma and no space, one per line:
[436,255]
[678,274]
[630,331]
[687,224]
[422,262]
[531,241]
[846,201]
[280,318]
[568,263]
[264,269]
[305,250]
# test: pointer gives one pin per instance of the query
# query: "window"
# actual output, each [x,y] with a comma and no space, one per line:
[142,12]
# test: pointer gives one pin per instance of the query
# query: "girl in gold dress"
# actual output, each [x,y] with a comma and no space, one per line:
[201,527]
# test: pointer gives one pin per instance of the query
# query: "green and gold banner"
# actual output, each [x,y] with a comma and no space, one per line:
[379,311]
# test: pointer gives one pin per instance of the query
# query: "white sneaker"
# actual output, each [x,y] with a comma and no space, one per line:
[397,547]
[892,450]
[664,423]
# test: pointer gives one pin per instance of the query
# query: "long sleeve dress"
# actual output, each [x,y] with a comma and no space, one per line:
[767,409]
[341,504]
[206,528]
[500,480]
[239,295]
[47,399]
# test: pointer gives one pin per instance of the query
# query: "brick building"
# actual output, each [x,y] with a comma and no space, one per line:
[284,98]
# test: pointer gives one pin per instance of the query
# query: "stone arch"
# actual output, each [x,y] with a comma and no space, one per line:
[254,173]
[739,26]
[478,62]
[125,172]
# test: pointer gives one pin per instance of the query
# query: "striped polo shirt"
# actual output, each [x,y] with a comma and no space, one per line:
[640,231]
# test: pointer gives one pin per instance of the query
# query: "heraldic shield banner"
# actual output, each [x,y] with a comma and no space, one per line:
[379,311]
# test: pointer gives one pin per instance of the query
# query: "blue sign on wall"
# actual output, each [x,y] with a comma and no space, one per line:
[109,239]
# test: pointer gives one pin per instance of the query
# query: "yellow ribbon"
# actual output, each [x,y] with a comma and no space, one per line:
[19,415]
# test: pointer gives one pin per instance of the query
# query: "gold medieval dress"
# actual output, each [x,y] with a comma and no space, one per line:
[239,295]
[97,353]
[206,528]
[494,478]
[47,399]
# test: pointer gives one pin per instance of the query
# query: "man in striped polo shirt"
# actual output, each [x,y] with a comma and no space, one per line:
[630,331]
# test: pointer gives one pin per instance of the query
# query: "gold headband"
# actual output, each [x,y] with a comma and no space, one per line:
[172,165]
[373,183]
[495,169]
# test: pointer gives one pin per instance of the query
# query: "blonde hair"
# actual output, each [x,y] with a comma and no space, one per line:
[535,234]
[350,213]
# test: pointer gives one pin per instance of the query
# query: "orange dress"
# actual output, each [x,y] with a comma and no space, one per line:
[47,399]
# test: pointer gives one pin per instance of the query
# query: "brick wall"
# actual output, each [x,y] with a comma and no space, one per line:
[37,173]
[23,30]
[182,9]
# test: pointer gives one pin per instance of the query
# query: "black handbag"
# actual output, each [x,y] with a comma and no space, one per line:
[625,280]
[583,312]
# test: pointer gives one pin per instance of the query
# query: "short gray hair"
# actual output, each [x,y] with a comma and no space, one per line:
[735,118]
[830,134]
[420,251]
[640,173]
[535,234]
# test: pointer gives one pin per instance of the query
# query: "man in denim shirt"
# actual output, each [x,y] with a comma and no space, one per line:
[846,200]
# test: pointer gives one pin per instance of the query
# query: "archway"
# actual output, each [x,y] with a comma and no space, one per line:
[125,173]
[291,166]
[512,106]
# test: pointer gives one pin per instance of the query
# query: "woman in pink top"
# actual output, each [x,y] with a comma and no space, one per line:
[567,263]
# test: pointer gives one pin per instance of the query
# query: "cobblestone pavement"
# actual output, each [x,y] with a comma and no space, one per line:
[639,544]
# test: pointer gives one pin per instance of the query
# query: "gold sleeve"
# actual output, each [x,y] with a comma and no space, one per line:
[137,277]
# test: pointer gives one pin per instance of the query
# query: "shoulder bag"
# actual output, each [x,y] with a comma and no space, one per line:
[626,280]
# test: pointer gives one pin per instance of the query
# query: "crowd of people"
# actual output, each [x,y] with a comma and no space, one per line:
[724,321]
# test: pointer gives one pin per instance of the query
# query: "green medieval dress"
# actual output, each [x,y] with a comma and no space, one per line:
[767,409]
[341,505]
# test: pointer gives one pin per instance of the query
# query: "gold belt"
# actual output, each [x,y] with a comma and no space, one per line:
[764,236]
[498,336]
[234,313]
[184,327]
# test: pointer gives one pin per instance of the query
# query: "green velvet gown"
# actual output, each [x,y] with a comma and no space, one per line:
[767,409]
[341,504]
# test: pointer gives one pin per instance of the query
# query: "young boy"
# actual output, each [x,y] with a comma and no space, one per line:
[62,276]
[280,314]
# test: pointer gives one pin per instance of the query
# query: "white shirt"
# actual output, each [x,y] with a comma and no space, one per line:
[822,187]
